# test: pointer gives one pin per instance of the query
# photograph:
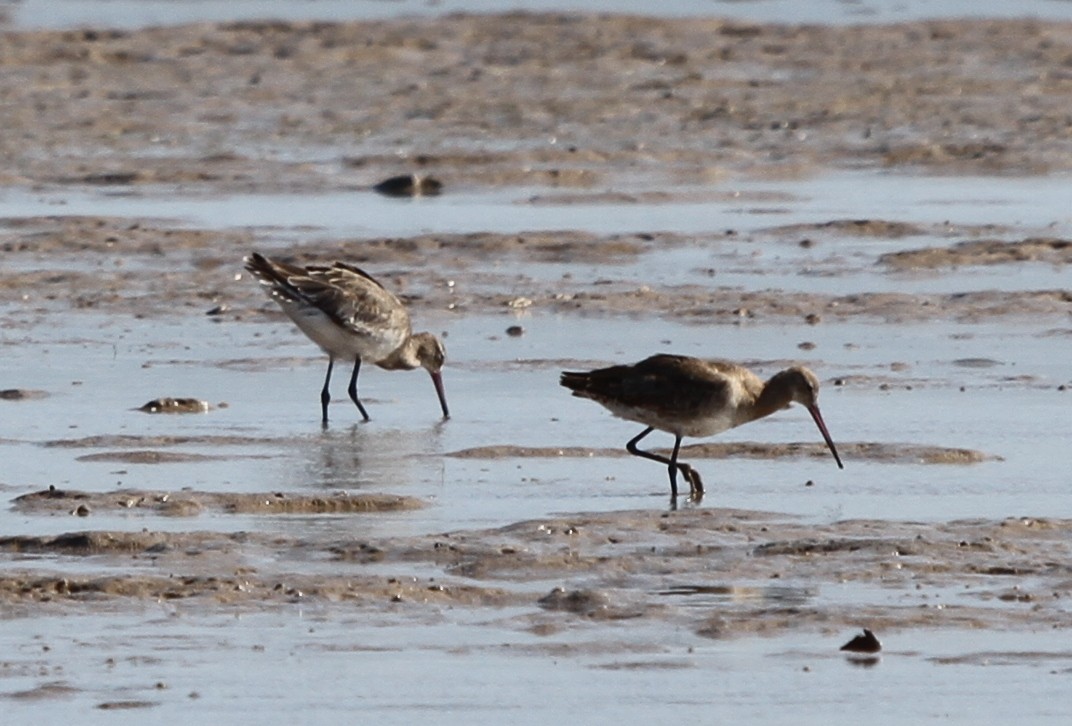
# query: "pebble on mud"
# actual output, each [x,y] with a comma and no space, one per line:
[20,394]
[581,602]
[409,185]
[175,405]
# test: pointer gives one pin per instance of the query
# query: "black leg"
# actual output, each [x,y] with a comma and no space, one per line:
[325,395]
[352,389]
[632,449]
[690,474]
[673,469]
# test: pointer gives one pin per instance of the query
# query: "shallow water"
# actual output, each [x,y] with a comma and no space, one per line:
[164,663]
[98,384]
[1031,202]
[283,660]
[98,369]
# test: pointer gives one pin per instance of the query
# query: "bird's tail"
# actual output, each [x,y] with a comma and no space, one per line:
[264,269]
[276,277]
[575,381]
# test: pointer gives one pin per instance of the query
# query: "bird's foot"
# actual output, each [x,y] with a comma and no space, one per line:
[696,490]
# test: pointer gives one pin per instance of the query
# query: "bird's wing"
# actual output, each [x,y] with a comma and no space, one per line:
[673,384]
[678,384]
[351,270]
[351,297]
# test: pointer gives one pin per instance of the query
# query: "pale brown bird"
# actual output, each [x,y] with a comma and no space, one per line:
[350,316]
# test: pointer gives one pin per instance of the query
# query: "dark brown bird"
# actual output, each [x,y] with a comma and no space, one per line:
[350,316]
[692,397]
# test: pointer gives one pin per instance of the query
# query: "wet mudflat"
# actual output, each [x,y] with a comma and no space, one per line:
[239,559]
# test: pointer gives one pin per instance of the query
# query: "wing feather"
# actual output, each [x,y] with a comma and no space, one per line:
[667,385]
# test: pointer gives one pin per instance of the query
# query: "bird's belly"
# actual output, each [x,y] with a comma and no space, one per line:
[341,342]
[691,426]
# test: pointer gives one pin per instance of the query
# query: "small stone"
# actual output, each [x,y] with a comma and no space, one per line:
[515,331]
[20,394]
[865,643]
[175,405]
[409,185]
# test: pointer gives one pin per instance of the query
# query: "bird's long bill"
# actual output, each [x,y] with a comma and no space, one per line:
[814,411]
[437,381]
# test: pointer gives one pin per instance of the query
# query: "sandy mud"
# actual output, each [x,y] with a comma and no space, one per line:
[579,109]
[449,272]
[722,573]
[190,503]
[567,100]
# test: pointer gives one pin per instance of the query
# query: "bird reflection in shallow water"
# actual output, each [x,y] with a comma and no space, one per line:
[363,458]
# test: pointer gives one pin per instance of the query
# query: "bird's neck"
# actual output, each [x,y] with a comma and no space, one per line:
[404,357]
[772,397]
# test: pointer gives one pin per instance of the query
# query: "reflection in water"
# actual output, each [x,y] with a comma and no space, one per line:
[369,458]
[863,661]
[722,594]
[362,458]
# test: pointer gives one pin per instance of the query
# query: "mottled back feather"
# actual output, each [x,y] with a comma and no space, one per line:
[349,296]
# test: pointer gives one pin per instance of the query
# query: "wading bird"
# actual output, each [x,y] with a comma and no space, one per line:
[352,317]
[692,397]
